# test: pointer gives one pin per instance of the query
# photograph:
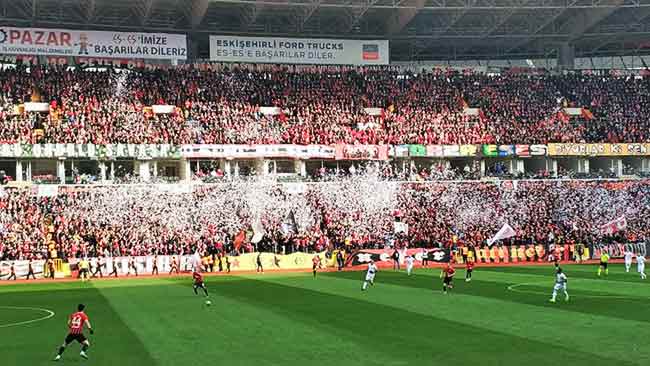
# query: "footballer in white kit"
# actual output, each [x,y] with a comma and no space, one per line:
[640,266]
[628,259]
[409,264]
[560,284]
[370,275]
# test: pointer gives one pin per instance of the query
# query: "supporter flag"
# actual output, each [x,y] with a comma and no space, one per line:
[463,104]
[289,225]
[374,111]
[614,226]
[586,114]
[506,232]
[563,116]
[258,230]
[239,239]
[148,112]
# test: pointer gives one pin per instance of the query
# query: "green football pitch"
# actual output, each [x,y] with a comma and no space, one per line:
[502,317]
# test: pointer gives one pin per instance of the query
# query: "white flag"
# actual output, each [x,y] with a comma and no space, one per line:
[614,226]
[505,233]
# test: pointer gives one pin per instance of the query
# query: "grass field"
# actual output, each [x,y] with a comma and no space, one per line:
[502,317]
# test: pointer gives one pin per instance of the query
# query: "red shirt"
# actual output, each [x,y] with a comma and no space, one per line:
[315,260]
[198,278]
[450,271]
[470,265]
[77,321]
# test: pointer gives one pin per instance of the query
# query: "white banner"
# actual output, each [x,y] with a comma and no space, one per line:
[21,267]
[61,42]
[258,151]
[299,50]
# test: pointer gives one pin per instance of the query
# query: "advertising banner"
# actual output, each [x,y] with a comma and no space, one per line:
[244,262]
[61,42]
[616,250]
[90,151]
[625,149]
[257,151]
[21,267]
[384,257]
[451,151]
[298,50]
[522,151]
[417,151]
[361,152]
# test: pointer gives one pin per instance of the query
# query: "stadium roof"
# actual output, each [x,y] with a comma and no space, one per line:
[418,29]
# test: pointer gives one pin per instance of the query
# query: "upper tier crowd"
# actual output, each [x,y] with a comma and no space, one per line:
[320,105]
[350,213]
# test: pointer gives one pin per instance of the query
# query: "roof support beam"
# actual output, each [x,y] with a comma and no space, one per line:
[197,12]
[640,15]
[250,14]
[549,21]
[144,10]
[88,9]
[358,14]
[447,5]
[307,13]
[583,21]
[403,16]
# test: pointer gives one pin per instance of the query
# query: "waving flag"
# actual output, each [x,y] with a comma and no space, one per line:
[614,226]
[506,232]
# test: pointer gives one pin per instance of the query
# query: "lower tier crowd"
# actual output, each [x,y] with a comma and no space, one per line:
[352,212]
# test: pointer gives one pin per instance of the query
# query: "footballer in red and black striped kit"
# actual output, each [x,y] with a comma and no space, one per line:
[76,324]
[198,283]
[447,275]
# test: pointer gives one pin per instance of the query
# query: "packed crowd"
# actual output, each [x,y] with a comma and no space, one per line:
[351,212]
[319,105]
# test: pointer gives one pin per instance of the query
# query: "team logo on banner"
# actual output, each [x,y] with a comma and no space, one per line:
[370,52]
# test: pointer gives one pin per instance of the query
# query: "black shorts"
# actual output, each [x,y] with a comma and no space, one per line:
[199,284]
[447,280]
[469,270]
[603,264]
[75,337]
[314,267]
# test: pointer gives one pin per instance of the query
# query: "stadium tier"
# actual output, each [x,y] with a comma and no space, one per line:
[330,105]
[359,212]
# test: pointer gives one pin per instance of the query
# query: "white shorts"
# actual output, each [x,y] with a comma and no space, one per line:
[370,276]
[641,268]
[627,264]
[559,286]
[409,267]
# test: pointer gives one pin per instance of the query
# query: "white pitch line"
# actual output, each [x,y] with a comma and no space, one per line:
[49,313]
[513,288]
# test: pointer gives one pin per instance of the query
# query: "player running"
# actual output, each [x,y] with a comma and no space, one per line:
[409,264]
[315,264]
[76,324]
[447,274]
[469,268]
[560,284]
[370,275]
[628,259]
[604,259]
[198,283]
[640,266]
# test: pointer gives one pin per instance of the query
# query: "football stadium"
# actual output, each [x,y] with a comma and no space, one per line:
[324,182]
